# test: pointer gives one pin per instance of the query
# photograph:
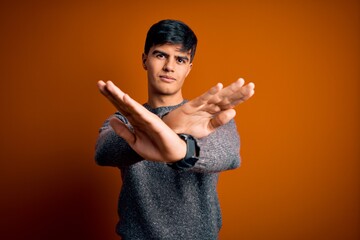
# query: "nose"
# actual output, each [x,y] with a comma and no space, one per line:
[169,65]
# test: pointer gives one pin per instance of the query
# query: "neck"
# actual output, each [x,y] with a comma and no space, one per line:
[162,101]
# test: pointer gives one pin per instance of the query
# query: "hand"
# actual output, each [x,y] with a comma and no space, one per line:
[202,115]
[234,94]
[150,137]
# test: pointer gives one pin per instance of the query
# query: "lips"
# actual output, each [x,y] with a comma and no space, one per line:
[167,78]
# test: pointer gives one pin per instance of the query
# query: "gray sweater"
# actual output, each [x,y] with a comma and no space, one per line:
[158,202]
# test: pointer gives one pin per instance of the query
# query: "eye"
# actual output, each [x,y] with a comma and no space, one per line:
[160,55]
[181,60]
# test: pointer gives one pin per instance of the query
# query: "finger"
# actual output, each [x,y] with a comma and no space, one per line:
[104,91]
[224,98]
[138,115]
[116,97]
[204,98]
[100,84]
[246,92]
[141,118]
[241,95]
[115,91]
[221,119]
[102,87]
[122,130]
[232,88]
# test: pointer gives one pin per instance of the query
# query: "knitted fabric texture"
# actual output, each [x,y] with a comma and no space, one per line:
[158,202]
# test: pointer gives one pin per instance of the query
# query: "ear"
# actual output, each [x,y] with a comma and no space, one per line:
[144,58]
[190,67]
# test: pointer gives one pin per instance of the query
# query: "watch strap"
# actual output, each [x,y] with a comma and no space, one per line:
[192,153]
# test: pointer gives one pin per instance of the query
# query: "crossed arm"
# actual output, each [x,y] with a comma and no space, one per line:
[155,139]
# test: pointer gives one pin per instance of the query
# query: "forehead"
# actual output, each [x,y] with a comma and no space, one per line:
[170,47]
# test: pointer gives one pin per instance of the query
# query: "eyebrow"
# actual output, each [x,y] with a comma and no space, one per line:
[167,55]
[161,52]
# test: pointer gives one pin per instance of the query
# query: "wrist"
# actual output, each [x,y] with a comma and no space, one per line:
[191,156]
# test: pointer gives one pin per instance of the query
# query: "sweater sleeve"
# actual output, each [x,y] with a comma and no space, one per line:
[220,150]
[111,149]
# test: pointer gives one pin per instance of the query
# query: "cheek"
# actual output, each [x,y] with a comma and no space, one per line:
[154,67]
[186,72]
[150,69]
[183,77]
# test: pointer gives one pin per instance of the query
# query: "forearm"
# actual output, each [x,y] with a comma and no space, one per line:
[112,150]
[220,150]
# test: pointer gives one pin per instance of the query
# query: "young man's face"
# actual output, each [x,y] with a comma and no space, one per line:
[167,67]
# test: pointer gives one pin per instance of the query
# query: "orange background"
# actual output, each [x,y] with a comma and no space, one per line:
[300,133]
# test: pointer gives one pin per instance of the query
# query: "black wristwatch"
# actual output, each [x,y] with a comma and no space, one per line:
[192,153]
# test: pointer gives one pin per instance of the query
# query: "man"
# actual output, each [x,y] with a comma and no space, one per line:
[170,151]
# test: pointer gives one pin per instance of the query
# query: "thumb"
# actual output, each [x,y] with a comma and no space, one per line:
[222,118]
[122,130]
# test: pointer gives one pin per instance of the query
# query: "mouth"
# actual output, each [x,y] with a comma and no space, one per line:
[167,78]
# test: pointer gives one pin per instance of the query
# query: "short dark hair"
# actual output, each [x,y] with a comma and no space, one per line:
[174,32]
